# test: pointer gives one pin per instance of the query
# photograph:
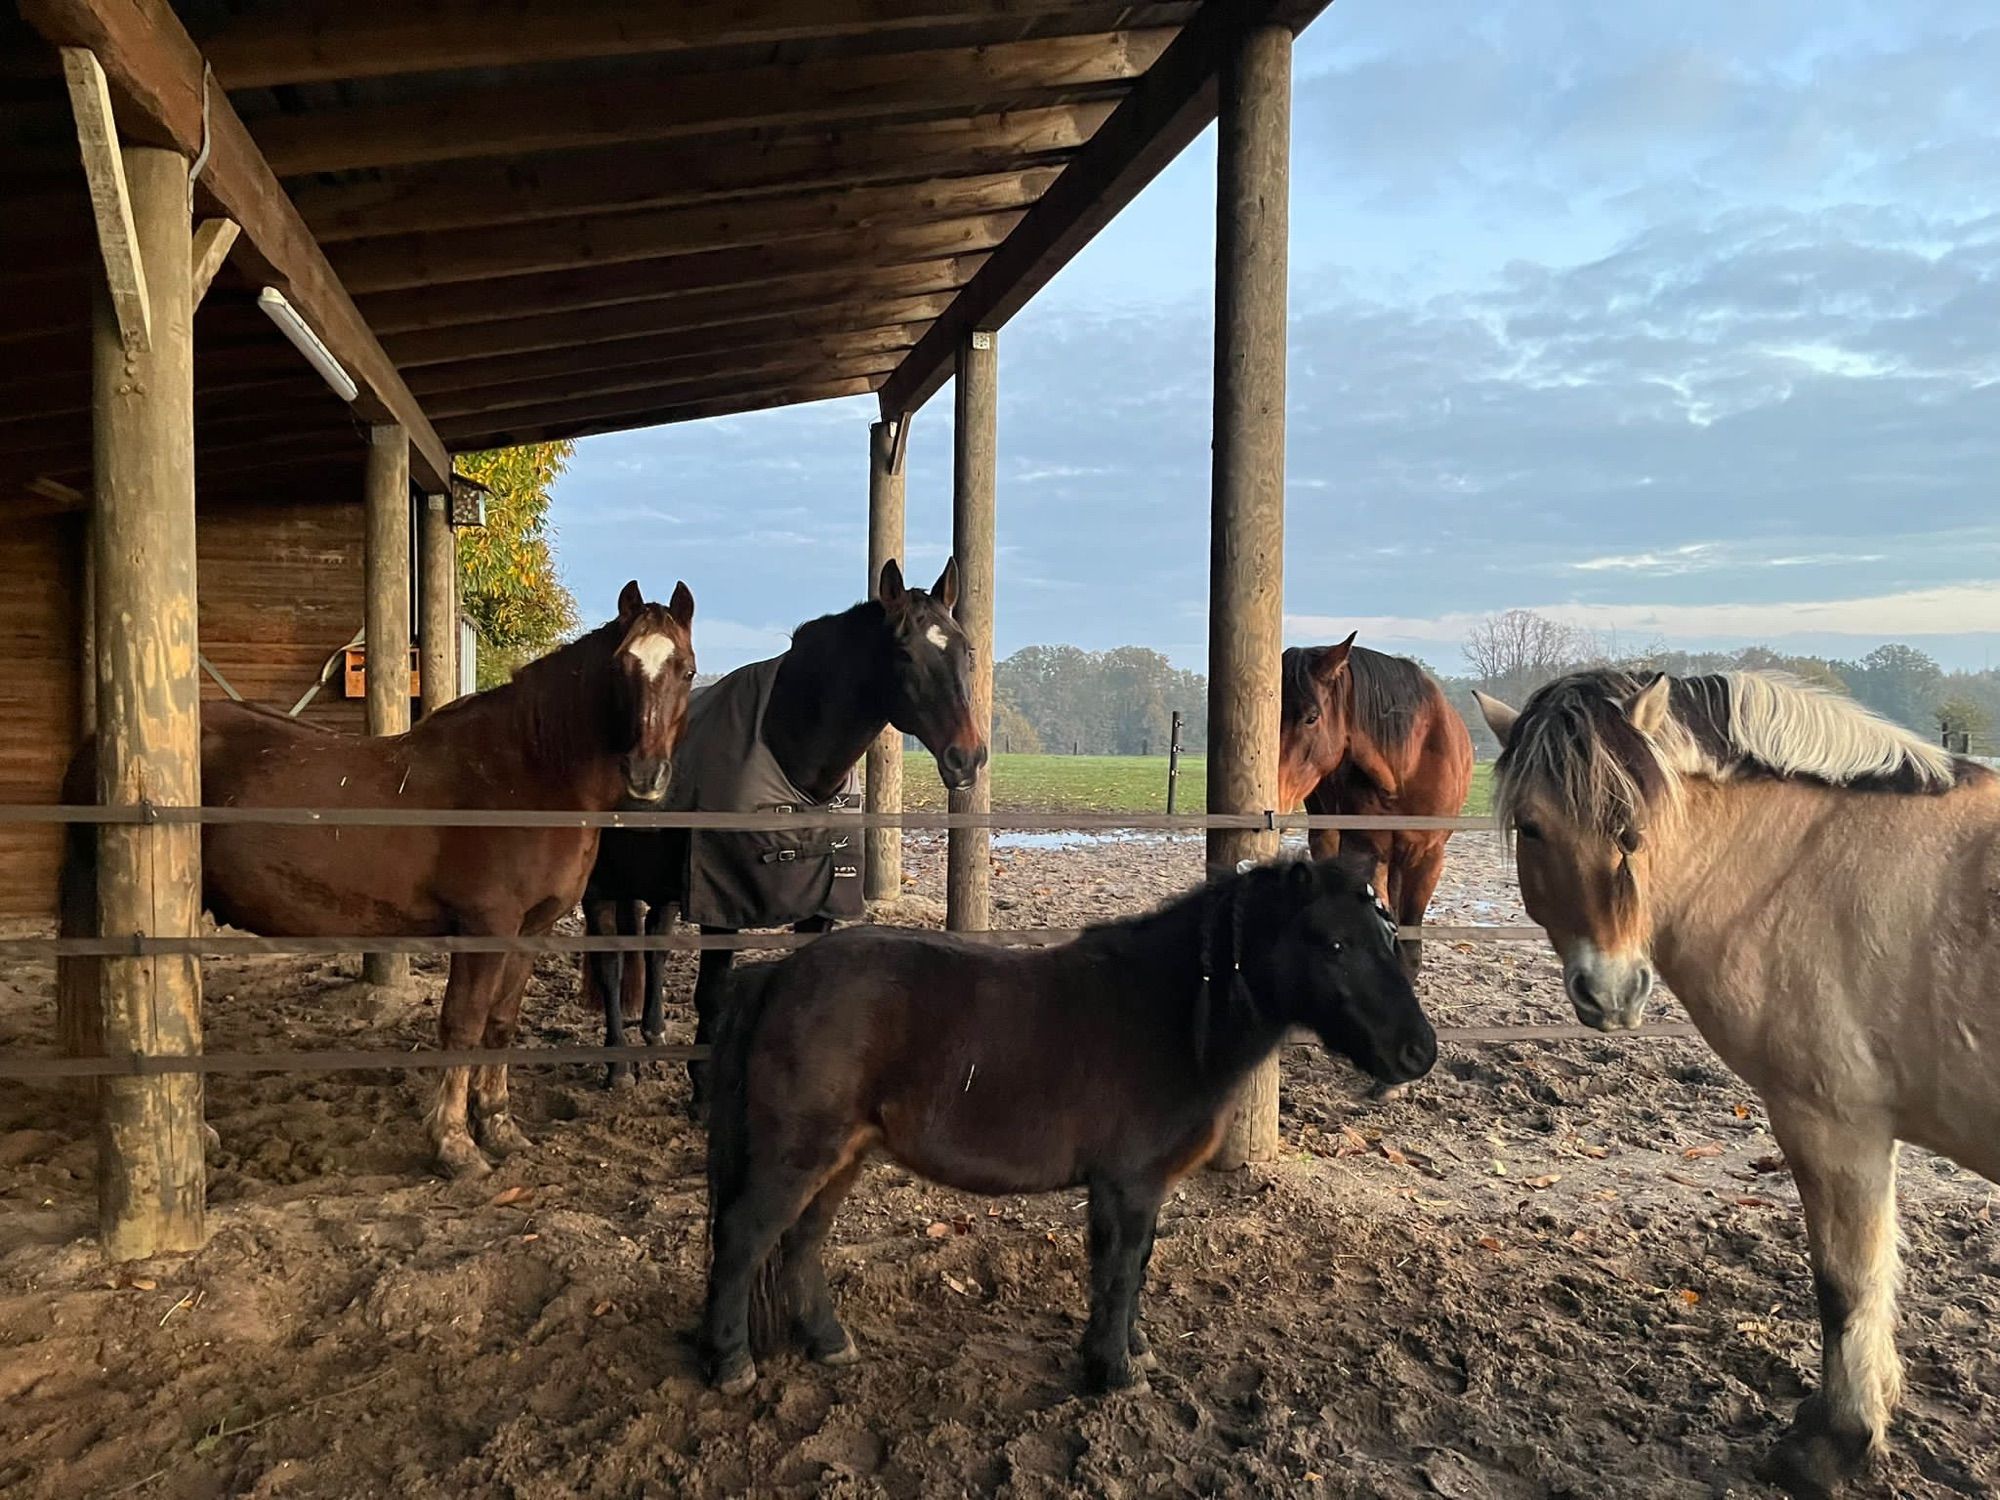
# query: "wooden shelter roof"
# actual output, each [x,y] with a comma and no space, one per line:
[514,220]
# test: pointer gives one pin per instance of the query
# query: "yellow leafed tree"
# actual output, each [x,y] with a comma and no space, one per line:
[509,587]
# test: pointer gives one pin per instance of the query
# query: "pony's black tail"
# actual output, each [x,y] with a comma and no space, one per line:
[79,988]
[729,1140]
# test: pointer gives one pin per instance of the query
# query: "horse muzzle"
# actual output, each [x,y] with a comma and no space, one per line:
[958,768]
[1608,993]
[646,782]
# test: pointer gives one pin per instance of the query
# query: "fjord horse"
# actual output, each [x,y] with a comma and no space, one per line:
[898,659]
[1361,733]
[1817,886]
[591,727]
[1112,1061]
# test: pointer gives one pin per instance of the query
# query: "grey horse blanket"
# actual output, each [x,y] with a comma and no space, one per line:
[756,878]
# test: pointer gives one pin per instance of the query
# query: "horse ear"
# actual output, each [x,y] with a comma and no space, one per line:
[1301,876]
[1499,717]
[1647,708]
[630,602]
[890,589]
[1331,661]
[681,606]
[945,590]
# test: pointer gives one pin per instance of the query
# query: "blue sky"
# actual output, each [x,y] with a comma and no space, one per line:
[1679,322]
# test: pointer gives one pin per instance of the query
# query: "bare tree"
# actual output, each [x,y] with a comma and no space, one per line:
[1516,652]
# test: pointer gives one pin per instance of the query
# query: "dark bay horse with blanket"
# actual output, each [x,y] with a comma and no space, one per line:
[1362,733]
[1113,1061]
[785,734]
[1821,888]
[591,727]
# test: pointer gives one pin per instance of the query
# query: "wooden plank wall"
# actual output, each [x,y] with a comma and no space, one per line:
[281,590]
[41,561]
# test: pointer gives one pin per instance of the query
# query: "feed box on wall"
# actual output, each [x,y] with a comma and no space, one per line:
[356,678]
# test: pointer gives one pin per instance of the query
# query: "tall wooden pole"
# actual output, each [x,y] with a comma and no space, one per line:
[884,864]
[1247,524]
[968,856]
[151,1176]
[386,569]
[437,595]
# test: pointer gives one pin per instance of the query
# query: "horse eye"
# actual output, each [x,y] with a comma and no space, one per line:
[1312,716]
[1630,840]
[1529,831]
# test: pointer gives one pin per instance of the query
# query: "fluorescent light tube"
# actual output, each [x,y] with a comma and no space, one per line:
[295,328]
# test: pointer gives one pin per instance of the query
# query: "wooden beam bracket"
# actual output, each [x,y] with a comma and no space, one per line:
[110,200]
[213,239]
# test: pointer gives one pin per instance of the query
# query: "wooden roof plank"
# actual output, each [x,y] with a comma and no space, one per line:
[636,408]
[514,119]
[693,411]
[158,72]
[638,281]
[1157,120]
[480,195]
[432,260]
[915,294]
[334,39]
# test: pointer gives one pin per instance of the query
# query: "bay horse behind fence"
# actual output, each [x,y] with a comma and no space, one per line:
[1112,1061]
[1820,888]
[783,735]
[591,727]
[1363,733]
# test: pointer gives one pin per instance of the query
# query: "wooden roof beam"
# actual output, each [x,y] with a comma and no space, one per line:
[730,346]
[658,104]
[432,260]
[1165,111]
[639,281]
[692,411]
[483,194]
[817,303]
[157,72]
[333,39]
[645,400]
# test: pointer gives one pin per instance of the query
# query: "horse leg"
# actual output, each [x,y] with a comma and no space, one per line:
[1121,1223]
[785,1178]
[659,922]
[1135,1336]
[710,979]
[1419,867]
[600,919]
[492,1119]
[815,1322]
[468,997]
[1846,1174]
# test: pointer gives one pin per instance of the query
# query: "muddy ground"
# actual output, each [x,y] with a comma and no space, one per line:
[1570,1269]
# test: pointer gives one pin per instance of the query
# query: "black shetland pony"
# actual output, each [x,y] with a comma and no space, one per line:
[1112,1061]
[899,659]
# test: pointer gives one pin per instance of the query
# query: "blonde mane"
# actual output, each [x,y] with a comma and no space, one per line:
[1575,744]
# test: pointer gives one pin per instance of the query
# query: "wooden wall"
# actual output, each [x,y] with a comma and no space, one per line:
[281,590]
[41,588]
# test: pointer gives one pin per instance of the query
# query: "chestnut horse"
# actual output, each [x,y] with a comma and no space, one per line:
[591,727]
[899,659]
[1818,887]
[1113,1062]
[1364,734]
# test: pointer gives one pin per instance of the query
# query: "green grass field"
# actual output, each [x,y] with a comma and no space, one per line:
[1102,783]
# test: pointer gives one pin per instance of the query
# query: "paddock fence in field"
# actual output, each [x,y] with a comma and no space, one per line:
[142,946]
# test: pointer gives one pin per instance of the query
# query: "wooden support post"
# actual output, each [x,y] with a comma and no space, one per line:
[151,1176]
[884,862]
[968,857]
[1247,522]
[437,598]
[387,568]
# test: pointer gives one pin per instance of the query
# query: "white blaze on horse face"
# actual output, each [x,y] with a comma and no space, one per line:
[936,636]
[654,652]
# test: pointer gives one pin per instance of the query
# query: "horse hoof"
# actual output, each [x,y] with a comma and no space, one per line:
[619,1076]
[461,1161]
[845,1354]
[1383,1093]
[736,1377]
[1145,1361]
[1103,1379]
[502,1137]
[1815,1457]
